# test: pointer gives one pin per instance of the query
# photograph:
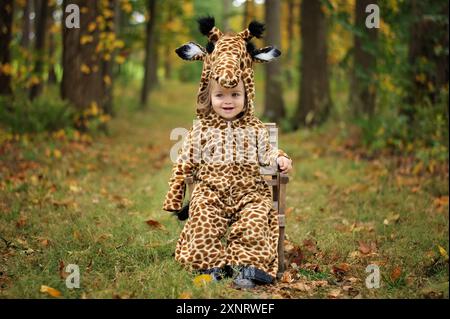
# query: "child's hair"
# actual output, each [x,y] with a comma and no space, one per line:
[204,98]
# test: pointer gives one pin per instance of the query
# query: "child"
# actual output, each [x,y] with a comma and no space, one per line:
[223,152]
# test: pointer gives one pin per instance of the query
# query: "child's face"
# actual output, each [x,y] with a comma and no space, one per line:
[227,103]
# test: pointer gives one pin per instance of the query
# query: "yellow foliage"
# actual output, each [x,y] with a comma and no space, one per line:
[119,44]
[6,69]
[51,291]
[33,80]
[126,6]
[202,280]
[86,39]
[107,80]
[120,59]
[91,26]
[85,69]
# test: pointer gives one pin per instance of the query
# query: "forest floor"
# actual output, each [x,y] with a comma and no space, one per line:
[96,203]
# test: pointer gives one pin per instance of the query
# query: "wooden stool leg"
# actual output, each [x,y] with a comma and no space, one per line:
[282,181]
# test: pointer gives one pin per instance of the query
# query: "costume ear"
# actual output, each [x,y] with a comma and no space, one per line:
[191,51]
[266,54]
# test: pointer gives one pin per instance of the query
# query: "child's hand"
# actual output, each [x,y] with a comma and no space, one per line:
[285,164]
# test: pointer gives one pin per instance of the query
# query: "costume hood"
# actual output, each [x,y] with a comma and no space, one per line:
[227,58]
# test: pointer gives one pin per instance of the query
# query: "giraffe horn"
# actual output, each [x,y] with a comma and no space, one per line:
[206,27]
[255,29]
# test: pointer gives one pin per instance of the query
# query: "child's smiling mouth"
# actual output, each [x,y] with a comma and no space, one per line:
[228,108]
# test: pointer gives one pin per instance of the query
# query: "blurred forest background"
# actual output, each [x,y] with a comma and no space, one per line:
[391,81]
[85,122]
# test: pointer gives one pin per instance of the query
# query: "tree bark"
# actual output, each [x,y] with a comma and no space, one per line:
[290,33]
[274,108]
[363,86]
[51,46]
[26,25]
[41,31]
[149,55]
[107,65]
[82,82]
[225,15]
[6,19]
[315,101]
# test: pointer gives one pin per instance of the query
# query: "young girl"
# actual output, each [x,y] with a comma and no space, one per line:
[232,224]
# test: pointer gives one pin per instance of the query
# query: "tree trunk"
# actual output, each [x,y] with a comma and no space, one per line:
[107,65]
[82,82]
[149,48]
[426,35]
[315,102]
[274,105]
[248,13]
[6,19]
[51,46]
[26,25]
[363,86]
[290,34]
[41,31]
[225,15]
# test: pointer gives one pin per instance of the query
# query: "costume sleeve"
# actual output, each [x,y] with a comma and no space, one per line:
[185,166]
[267,153]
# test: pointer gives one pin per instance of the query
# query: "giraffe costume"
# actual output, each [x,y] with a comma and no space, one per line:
[232,221]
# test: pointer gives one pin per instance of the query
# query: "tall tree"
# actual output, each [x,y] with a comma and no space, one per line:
[249,13]
[6,19]
[225,15]
[363,87]
[26,24]
[315,101]
[427,55]
[41,32]
[51,43]
[274,105]
[149,52]
[82,82]
[291,10]
[110,8]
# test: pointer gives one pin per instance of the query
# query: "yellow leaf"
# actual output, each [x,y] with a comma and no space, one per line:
[107,80]
[185,295]
[126,6]
[57,153]
[91,26]
[120,59]
[443,252]
[51,291]
[86,39]
[119,44]
[202,280]
[6,69]
[85,69]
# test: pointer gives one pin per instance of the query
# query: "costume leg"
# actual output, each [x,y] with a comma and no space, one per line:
[253,238]
[199,245]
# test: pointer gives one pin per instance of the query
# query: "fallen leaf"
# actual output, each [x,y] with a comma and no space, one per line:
[201,280]
[341,268]
[287,277]
[62,270]
[396,273]
[335,293]
[185,295]
[154,224]
[51,291]
[21,222]
[443,253]
[299,285]
[364,248]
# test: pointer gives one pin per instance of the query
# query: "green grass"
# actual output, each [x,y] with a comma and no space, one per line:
[91,205]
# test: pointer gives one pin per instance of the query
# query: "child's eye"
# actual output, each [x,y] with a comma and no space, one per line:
[218,95]
[236,94]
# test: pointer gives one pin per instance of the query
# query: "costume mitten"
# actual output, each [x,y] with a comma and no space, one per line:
[183,214]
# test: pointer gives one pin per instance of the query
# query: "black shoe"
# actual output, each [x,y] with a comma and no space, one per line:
[258,276]
[244,283]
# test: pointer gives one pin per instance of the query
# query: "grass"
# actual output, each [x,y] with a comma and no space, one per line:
[89,206]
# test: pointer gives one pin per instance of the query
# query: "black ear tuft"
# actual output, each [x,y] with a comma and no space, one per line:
[251,48]
[256,28]
[209,47]
[205,24]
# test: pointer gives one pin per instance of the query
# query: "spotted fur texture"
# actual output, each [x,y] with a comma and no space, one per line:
[231,194]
